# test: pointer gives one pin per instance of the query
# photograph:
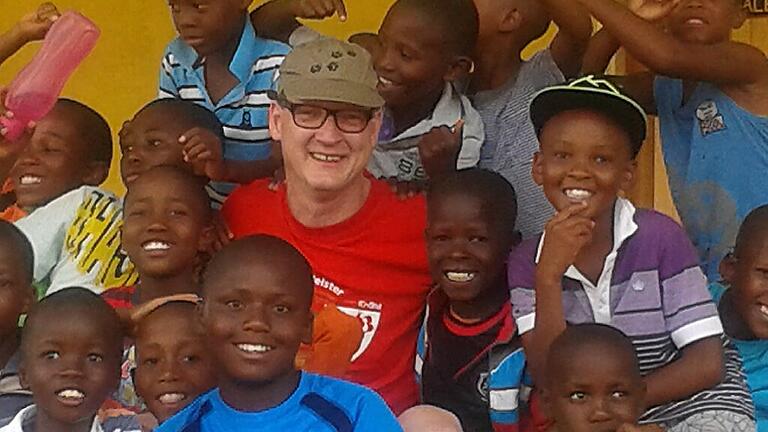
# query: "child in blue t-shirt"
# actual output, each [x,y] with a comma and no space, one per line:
[711,96]
[743,305]
[255,317]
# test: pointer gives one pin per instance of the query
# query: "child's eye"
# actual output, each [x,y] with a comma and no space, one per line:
[190,359]
[601,159]
[52,355]
[577,396]
[405,55]
[178,212]
[561,155]
[282,309]
[234,304]
[96,358]
[478,239]
[149,362]
[618,394]
[155,143]
[174,7]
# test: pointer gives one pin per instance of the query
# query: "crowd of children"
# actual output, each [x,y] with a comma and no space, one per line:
[417,230]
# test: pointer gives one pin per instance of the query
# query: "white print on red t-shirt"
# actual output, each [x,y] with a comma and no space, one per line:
[370,320]
[367,311]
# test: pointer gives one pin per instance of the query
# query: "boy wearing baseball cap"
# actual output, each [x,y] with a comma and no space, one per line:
[601,260]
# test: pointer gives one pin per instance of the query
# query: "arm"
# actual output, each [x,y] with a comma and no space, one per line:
[725,63]
[700,367]
[565,234]
[276,19]
[30,27]
[203,149]
[602,47]
[574,29]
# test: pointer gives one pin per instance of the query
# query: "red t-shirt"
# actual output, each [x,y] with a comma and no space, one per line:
[373,266]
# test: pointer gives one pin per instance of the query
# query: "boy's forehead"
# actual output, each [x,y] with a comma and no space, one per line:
[402,18]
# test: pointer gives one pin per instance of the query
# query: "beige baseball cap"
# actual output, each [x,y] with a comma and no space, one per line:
[330,70]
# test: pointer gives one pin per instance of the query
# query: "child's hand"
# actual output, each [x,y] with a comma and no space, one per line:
[439,149]
[319,9]
[566,233]
[406,189]
[203,149]
[652,10]
[221,233]
[35,25]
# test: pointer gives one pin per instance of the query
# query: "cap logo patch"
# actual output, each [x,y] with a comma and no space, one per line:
[333,66]
[337,54]
[315,68]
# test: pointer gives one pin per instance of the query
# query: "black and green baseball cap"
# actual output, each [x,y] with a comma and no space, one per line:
[593,93]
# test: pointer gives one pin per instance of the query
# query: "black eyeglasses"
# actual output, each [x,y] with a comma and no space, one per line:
[314,117]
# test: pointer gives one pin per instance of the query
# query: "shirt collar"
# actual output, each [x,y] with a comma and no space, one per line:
[27,415]
[12,367]
[623,227]
[242,61]
[448,110]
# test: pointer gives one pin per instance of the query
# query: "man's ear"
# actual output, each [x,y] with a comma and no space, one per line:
[537,168]
[461,67]
[275,129]
[96,173]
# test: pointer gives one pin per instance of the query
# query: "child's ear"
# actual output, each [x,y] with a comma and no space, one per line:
[461,67]
[96,173]
[727,268]
[207,236]
[739,17]
[537,168]
[306,338]
[628,177]
[511,21]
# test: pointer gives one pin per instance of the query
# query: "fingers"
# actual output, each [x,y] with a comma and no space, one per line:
[47,12]
[341,9]
[570,211]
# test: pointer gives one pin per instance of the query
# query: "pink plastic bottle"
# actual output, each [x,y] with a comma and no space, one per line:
[35,89]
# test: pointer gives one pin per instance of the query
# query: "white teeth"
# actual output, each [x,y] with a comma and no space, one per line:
[254,348]
[171,398]
[30,180]
[764,309]
[385,81]
[155,245]
[695,21]
[459,276]
[577,194]
[325,158]
[71,394]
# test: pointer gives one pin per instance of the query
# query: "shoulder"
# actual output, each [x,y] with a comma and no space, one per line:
[269,47]
[658,227]
[410,212]
[351,397]
[255,192]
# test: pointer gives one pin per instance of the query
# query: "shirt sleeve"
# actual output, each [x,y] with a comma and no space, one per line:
[521,271]
[689,312]
[473,135]
[46,228]
[167,87]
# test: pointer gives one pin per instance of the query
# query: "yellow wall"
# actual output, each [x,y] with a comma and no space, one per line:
[121,74]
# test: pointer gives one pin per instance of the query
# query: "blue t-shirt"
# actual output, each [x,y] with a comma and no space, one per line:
[754,355]
[716,155]
[319,404]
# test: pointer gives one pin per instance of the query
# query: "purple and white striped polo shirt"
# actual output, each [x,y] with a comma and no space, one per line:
[653,290]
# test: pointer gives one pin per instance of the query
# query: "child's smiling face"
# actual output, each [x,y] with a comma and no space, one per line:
[747,273]
[584,157]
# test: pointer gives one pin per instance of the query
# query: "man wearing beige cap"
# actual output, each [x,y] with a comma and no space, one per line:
[365,245]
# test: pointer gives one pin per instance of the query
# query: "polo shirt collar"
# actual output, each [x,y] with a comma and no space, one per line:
[242,62]
[27,415]
[623,227]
